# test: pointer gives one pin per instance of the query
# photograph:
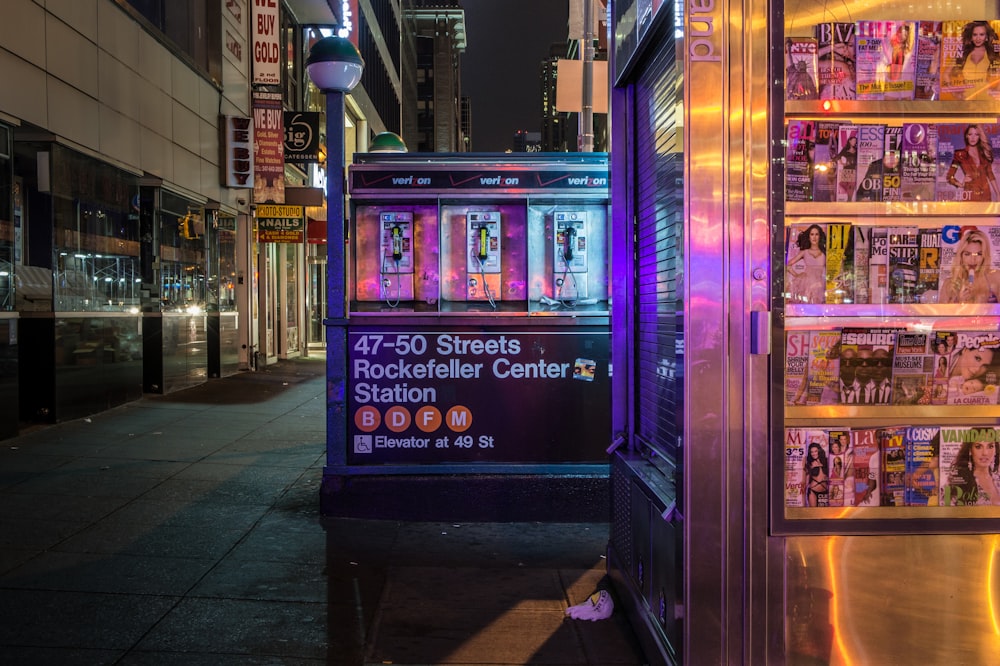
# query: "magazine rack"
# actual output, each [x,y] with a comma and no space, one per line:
[883,408]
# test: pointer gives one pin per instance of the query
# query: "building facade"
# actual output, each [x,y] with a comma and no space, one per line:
[439,29]
[139,141]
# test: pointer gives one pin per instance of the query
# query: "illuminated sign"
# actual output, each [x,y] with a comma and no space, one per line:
[348,26]
[280,224]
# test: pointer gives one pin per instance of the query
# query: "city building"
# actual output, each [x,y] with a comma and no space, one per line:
[554,123]
[144,169]
[527,142]
[440,113]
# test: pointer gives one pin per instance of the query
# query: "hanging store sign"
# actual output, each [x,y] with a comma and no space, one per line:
[348,16]
[269,148]
[266,43]
[280,224]
[452,395]
[237,144]
[302,137]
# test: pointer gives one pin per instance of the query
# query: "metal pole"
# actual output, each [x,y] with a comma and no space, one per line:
[336,321]
[587,86]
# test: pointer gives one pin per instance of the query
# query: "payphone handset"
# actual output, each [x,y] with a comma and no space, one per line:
[396,242]
[396,256]
[570,250]
[483,233]
[569,257]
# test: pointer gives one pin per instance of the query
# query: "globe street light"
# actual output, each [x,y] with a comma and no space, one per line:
[335,66]
[387,142]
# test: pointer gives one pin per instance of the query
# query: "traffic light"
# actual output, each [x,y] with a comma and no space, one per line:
[190,227]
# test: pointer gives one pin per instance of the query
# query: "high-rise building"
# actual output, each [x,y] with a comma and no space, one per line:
[438,27]
[554,123]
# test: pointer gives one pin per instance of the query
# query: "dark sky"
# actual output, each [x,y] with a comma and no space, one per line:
[506,43]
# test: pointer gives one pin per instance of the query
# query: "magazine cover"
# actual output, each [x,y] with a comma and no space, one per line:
[806,448]
[869,68]
[943,344]
[922,466]
[796,366]
[970,60]
[951,82]
[805,266]
[841,468]
[846,162]
[919,168]
[965,274]
[867,457]
[969,463]
[824,169]
[904,263]
[951,137]
[800,68]
[927,79]
[835,60]
[866,356]
[799,148]
[892,441]
[929,269]
[871,150]
[862,255]
[892,163]
[822,374]
[899,59]
[839,263]
[973,368]
[966,168]
[912,369]
[878,265]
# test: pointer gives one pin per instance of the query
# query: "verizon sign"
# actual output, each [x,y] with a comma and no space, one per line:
[266,43]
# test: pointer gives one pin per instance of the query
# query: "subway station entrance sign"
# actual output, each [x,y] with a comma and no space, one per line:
[458,396]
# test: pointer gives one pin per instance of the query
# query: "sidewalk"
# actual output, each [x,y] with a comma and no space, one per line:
[185,529]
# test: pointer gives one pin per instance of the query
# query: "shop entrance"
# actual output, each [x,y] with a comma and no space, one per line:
[316,301]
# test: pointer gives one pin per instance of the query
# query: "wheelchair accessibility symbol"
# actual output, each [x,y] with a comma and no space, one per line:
[362,443]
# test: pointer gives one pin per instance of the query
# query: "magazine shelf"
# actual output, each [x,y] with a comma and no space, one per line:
[811,316]
[893,111]
[917,451]
[867,416]
[859,211]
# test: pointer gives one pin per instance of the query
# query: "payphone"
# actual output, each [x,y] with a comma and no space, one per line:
[396,252]
[483,266]
[569,262]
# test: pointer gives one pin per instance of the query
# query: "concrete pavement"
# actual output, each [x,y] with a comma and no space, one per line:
[185,529]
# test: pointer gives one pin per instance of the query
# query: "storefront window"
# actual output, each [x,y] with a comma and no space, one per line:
[6,221]
[183,287]
[96,239]
[227,264]
[292,297]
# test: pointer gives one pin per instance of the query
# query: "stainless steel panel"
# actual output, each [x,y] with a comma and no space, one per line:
[541,236]
[908,599]
[508,285]
[367,251]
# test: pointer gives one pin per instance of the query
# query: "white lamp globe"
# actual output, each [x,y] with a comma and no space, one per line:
[334,65]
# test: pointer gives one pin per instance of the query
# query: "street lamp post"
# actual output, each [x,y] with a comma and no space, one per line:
[335,66]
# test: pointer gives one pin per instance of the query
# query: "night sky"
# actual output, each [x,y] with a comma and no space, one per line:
[507,41]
